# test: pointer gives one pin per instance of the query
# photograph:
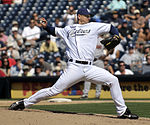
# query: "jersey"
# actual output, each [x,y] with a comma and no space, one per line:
[81,40]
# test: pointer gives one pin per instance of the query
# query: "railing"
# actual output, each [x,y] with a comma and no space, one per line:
[7,82]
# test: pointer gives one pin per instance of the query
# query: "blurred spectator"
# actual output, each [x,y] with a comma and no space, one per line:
[131,59]
[59,42]
[58,71]
[62,48]
[115,20]
[117,53]
[58,23]
[125,33]
[147,33]
[2,74]
[141,47]
[48,48]
[11,60]
[31,68]
[19,1]
[95,18]
[16,69]
[136,67]
[38,71]
[2,47]
[25,71]
[137,49]
[29,55]
[130,16]
[144,35]
[139,21]
[58,62]
[146,67]
[146,51]
[107,66]
[145,8]
[70,16]
[3,37]
[117,5]
[5,66]
[122,69]
[11,51]
[141,36]
[16,39]
[31,33]
[36,19]
[46,67]
[15,24]
[7,1]
[147,18]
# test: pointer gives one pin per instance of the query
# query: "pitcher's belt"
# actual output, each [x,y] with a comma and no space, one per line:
[81,62]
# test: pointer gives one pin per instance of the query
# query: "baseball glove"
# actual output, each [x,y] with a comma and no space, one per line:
[111,42]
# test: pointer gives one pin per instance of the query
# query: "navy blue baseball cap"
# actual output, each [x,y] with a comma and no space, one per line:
[83,11]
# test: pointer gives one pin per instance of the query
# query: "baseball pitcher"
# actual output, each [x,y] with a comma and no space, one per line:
[81,41]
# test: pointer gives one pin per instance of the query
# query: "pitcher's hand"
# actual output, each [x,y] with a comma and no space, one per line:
[43,22]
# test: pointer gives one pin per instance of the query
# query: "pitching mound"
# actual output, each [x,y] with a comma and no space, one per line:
[38,117]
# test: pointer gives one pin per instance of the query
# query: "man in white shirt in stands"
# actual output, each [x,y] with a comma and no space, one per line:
[122,70]
[31,33]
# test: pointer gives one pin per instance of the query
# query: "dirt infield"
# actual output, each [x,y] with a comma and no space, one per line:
[38,117]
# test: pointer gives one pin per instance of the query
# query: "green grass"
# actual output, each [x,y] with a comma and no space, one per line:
[141,109]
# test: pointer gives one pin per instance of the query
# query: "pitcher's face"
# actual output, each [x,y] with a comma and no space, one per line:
[83,19]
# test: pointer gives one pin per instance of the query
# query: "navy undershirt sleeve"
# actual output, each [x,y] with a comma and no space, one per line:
[113,31]
[50,30]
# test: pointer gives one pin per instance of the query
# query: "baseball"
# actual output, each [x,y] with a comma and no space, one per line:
[42,22]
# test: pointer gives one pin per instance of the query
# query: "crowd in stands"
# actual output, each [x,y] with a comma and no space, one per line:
[32,52]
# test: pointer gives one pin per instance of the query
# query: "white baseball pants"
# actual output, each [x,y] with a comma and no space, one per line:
[79,72]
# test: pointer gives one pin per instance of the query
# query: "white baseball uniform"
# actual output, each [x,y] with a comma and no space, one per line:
[99,63]
[81,41]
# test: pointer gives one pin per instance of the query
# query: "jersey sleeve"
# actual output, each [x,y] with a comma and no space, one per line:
[103,28]
[61,32]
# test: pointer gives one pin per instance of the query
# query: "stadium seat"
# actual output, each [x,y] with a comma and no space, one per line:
[94,11]
[2,13]
[50,8]
[41,4]
[4,9]
[19,20]
[59,12]
[13,13]
[98,2]
[53,3]
[4,25]
[10,17]
[7,21]
[44,15]
[75,3]
[39,8]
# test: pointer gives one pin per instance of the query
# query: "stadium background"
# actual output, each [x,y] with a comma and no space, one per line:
[11,87]
[52,9]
